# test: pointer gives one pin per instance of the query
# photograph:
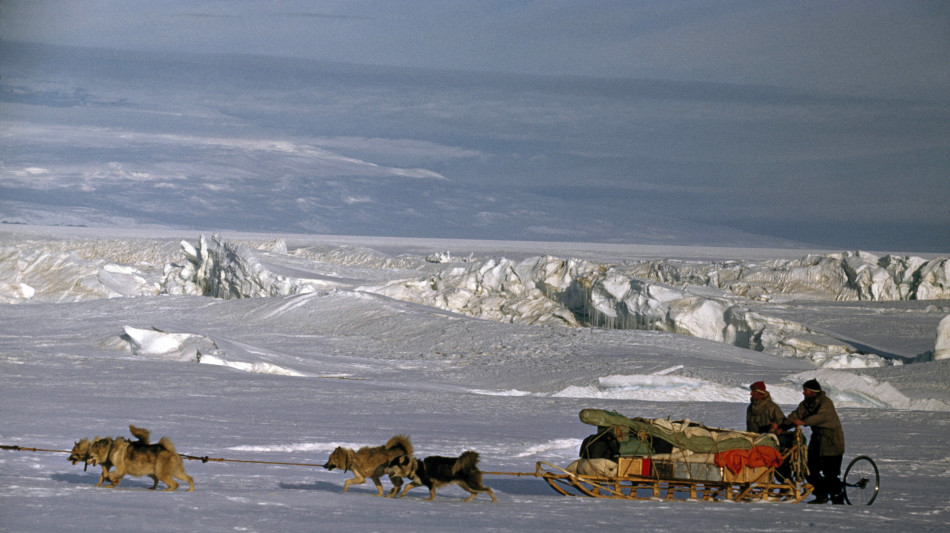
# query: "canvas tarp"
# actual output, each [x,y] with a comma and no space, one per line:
[680,433]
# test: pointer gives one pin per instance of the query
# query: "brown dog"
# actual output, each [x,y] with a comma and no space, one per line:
[80,452]
[158,461]
[436,471]
[370,462]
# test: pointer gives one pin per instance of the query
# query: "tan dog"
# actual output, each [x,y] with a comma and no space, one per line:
[158,461]
[370,462]
[80,452]
[436,471]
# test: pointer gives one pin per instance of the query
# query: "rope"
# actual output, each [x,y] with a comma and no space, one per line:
[799,456]
[205,459]
[25,449]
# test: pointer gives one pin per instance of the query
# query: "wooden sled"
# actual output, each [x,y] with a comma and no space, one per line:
[748,486]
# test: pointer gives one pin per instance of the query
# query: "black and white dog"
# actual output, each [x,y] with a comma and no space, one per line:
[436,471]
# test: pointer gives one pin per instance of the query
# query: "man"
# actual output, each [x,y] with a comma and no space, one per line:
[826,447]
[762,415]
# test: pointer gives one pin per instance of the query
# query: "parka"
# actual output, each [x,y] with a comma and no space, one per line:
[761,413]
[820,415]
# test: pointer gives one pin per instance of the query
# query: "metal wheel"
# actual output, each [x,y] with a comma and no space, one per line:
[861,481]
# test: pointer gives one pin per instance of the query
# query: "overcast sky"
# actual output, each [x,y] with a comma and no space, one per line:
[855,47]
[814,122]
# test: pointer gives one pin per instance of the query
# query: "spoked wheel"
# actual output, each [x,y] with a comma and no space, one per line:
[861,481]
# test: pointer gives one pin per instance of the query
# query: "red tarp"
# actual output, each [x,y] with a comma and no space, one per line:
[736,460]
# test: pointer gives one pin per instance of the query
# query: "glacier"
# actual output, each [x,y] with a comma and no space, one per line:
[717,301]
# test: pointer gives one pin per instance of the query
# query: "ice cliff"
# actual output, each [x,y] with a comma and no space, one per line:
[838,276]
[942,346]
[708,300]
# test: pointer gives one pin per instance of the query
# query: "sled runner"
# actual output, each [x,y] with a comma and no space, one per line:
[659,459]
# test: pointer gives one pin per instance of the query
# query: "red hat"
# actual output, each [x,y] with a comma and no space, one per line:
[758,386]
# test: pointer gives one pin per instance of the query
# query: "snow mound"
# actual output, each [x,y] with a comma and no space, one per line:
[657,388]
[942,346]
[188,347]
[846,389]
[286,448]
[555,445]
[853,390]
[512,392]
[256,368]
[177,346]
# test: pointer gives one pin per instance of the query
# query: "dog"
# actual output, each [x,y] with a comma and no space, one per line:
[370,462]
[139,458]
[436,471]
[80,452]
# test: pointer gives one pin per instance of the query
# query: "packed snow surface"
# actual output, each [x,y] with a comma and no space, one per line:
[280,348]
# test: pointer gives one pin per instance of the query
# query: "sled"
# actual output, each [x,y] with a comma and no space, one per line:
[681,460]
[763,486]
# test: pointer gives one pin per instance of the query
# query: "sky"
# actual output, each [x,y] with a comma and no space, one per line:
[760,123]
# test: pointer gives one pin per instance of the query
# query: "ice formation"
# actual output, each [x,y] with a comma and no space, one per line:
[707,300]
[45,272]
[168,345]
[942,346]
[838,276]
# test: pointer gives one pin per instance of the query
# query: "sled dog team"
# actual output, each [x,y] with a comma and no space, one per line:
[394,459]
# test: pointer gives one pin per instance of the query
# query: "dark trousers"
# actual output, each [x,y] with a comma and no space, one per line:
[824,474]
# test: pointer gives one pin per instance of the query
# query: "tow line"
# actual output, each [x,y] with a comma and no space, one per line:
[205,459]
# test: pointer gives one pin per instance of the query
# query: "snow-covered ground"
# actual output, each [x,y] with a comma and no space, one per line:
[279,348]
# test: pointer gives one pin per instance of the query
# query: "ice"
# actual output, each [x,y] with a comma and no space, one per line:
[657,388]
[942,346]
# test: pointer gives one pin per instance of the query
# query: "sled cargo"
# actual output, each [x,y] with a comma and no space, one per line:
[676,460]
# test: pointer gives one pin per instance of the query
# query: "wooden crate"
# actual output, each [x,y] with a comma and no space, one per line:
[633,466]
[746,475]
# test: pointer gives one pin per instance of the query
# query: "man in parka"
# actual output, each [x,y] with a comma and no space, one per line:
[762,415]
[826,447]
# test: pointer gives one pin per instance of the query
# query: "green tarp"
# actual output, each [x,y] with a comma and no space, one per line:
[680,433]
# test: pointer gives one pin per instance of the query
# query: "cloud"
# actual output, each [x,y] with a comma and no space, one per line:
[875,47]
[263,142]
[390,148]
[144,156]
